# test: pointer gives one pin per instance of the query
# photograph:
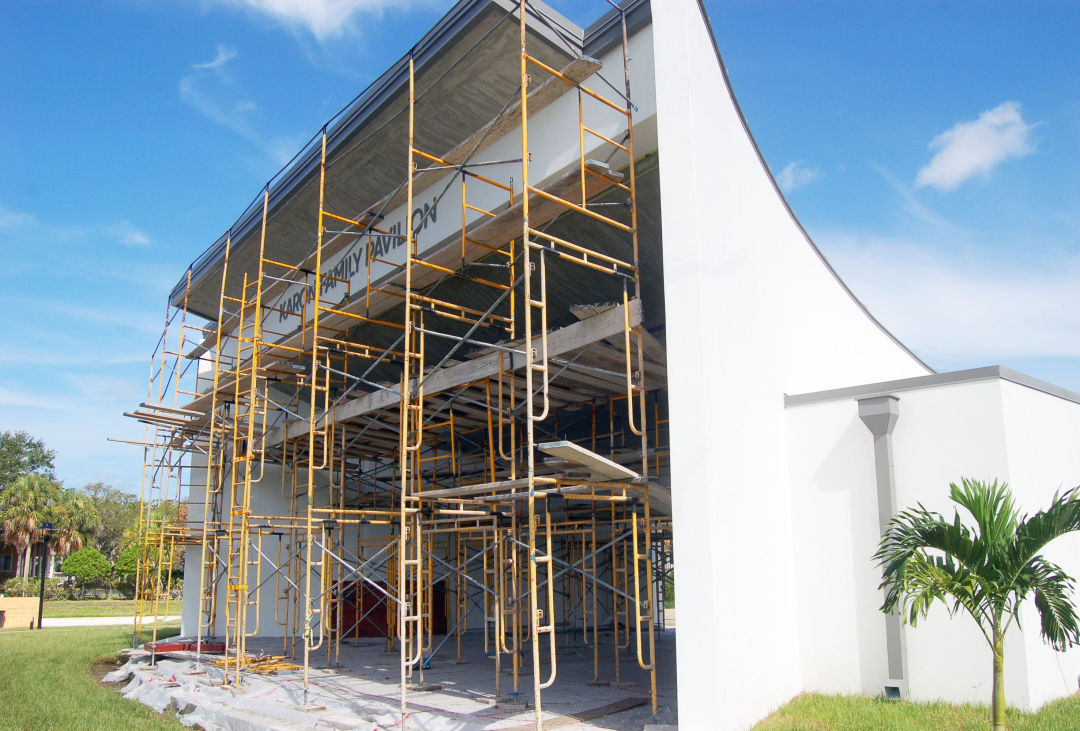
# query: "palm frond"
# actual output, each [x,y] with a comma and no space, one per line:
[1053,590]
[919,530]
[993,509]
[930,579]
[1034,532]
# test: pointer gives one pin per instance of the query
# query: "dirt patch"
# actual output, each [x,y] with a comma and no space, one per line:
[105,665]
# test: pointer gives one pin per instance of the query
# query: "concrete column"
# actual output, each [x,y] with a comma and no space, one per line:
[880,413]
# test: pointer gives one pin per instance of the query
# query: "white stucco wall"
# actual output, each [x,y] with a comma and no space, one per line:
[831,468]
[1041,437]
[752,313]
[267,499]
[189,603]
[985,429]
[944,434]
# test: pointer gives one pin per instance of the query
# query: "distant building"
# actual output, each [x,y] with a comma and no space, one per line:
[11,561]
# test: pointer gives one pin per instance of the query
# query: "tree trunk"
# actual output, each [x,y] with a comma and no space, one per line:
[998,708]
[26,560]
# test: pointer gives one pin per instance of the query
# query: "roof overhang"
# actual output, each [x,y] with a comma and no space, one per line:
[462,51]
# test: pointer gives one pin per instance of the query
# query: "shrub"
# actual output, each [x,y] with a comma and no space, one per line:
[669,592]
[125,566]
[88,567]
[125,569]
[55,589]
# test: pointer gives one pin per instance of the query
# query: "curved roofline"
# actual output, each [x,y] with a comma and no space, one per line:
[787,206]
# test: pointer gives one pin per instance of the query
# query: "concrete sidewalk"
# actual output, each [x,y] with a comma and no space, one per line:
[99,621]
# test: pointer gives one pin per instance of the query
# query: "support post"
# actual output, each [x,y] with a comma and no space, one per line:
[41,593]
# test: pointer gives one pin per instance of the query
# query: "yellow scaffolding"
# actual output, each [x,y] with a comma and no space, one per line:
[431,482]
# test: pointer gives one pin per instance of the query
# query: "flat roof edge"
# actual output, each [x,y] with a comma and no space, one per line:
[606,32]
[971,375]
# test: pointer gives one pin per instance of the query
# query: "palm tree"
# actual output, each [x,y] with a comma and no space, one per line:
[74,516]
[24,505]
[988,570]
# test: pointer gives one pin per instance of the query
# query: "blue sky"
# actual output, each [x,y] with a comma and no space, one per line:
[931,149]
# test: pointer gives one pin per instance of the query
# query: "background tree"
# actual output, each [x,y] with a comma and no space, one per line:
[117,517]
[22,454]
[125,566]
[24,507]
[987,570]
[88,567]
[163,513]
[75,518]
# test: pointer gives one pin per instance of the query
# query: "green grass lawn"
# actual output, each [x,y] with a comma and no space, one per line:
[103,608]
[91,608]
[47,681]
[848,713]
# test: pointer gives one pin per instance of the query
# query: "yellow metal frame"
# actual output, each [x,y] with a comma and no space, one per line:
[508,543]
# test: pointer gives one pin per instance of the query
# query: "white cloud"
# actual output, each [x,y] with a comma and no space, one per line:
[77,427]
[910,205]
[46,357]
[976,147]
[28,399]
[116,319]
[128,235]
[11,219]
[964,309]
[123,232]
[212,91]
[323,18]
[224,55]
[795,175]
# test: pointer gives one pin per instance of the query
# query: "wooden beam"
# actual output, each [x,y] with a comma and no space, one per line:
[659,497]
[453,492]
[593,462]
[562,341]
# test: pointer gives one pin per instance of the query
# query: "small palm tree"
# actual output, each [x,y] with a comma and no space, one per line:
[988,570]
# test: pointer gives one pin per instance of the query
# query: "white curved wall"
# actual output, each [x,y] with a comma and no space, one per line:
[752,313]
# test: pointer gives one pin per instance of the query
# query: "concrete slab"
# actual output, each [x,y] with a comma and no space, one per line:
[361,690]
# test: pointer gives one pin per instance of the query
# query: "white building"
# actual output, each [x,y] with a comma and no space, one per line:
[797,422]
